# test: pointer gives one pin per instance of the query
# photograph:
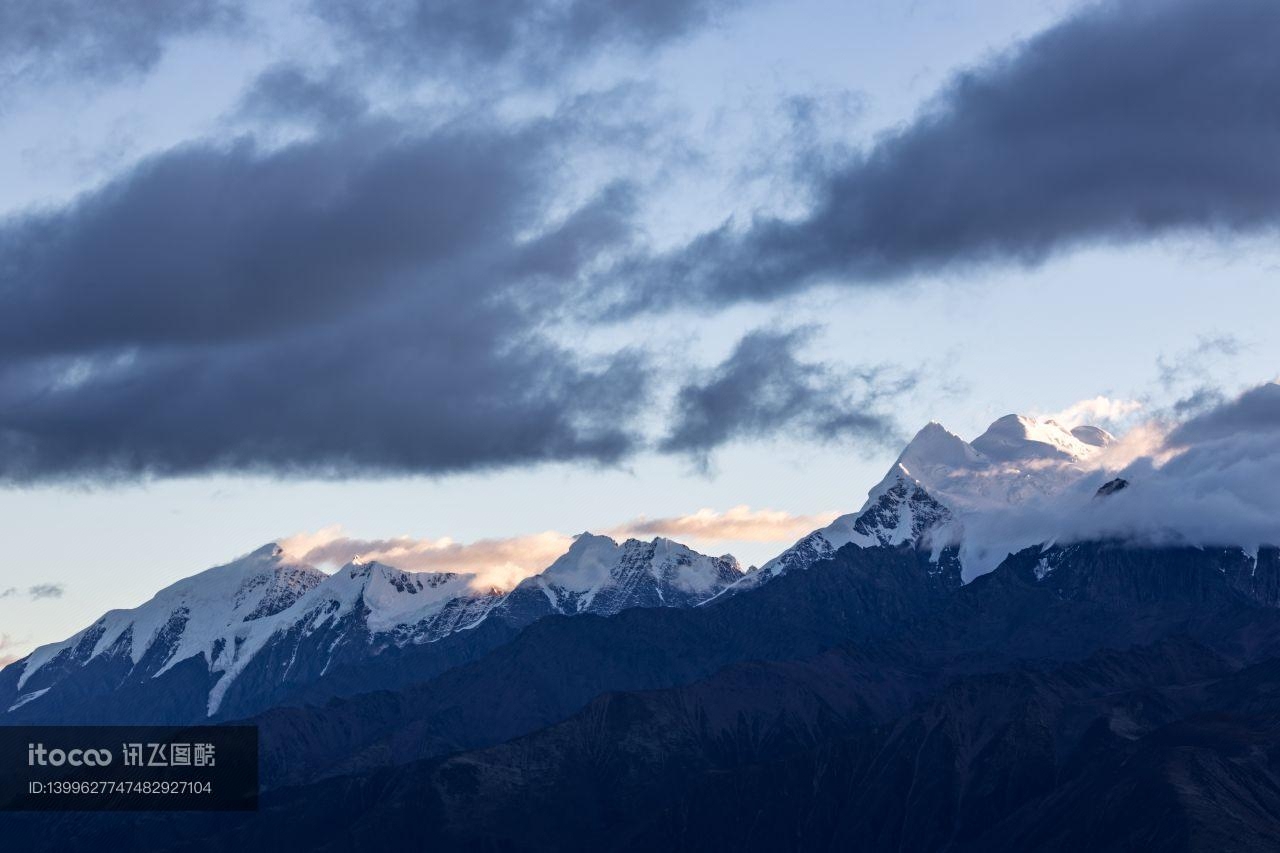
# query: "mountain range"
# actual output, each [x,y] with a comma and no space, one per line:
[885,684]
[237,638]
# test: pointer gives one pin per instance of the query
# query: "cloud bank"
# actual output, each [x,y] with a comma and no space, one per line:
[506,561]
[344,304]
[1096,410]
[1127,121]
[396,292]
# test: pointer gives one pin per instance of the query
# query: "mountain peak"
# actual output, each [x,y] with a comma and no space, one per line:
[586,539]
[271,549]
[1019,438]
[585,563]
[599,575]
[935,449]
[1111,487]
[940,480]
[190,616]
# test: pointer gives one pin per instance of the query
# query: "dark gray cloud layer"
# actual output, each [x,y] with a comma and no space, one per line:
[377,298]
[212,242]
[83,40]
[1128,121]
[355,303]
[48,39]
[535,37]
[370,300]
[288,92]
[764,388]
[1254,413]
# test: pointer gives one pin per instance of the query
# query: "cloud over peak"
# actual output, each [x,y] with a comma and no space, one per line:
[1211,481]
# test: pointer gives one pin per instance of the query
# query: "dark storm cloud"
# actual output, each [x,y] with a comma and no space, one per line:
[535,36]
[388,397]
[46,39]
[1127,121]
[764,389]
[212,241]
[1254,413]
[369,301]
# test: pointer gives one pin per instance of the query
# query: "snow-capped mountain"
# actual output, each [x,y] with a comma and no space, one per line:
[1017,459]
[262,621]
[598,575]
[939,480]
[359,610]
[208,614]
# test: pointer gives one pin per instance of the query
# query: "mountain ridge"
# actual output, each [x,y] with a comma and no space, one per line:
[357,611]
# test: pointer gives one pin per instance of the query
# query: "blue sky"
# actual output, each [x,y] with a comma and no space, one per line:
[622,143]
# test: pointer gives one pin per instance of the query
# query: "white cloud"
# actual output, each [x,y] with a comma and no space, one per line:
[1097,410]
[1211,480]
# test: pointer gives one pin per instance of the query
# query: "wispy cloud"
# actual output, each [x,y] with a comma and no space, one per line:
[35,592]
[1192,364]
[1098,410]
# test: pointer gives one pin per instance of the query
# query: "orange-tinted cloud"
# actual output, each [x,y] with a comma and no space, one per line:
[495,562]
[741,523]
[505,562]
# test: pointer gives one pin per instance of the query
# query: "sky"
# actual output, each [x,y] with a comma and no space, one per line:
[478,277]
